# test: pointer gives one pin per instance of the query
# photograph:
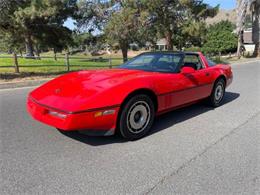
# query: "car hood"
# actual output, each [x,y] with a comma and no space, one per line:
[71,91]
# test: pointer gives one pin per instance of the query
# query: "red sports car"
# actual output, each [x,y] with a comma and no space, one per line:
[128,98]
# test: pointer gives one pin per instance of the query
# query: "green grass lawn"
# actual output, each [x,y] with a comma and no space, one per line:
[50,65]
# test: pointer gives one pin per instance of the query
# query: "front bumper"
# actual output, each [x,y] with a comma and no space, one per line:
[88,120]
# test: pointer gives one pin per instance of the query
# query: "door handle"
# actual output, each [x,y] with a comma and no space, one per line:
[207,74]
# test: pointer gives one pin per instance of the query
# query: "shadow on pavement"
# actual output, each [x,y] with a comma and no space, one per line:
[161,122]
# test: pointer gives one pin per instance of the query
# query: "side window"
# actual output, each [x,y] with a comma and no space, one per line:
[165,58]
[210,62]
[145,59]
[167,62]
[192,61]
[169,59]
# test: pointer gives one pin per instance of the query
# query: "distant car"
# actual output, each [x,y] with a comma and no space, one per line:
[128,98]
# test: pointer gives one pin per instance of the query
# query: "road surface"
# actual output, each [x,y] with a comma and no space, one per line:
[195,150]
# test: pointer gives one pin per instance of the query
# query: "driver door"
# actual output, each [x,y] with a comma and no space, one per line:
[201,78]
[183,88]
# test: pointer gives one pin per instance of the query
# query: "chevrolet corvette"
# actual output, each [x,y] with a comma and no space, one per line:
[128,98]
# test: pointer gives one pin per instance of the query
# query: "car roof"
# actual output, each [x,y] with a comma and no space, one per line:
[170,52]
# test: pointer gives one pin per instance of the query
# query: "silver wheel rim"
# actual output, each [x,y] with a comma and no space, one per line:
[138,117]
[219,93]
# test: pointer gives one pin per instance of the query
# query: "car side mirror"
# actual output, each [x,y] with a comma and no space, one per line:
[187,70]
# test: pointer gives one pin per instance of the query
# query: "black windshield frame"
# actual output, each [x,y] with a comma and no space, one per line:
[150,67]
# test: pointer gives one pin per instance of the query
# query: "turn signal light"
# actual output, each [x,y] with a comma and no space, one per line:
[104,113]
[97,114]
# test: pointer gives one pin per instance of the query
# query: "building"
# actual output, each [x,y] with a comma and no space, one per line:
[161,44]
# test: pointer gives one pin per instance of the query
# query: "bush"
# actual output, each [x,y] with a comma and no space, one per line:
[220,38]
[192,49]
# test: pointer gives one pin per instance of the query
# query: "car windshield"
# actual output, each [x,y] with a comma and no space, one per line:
[156,62]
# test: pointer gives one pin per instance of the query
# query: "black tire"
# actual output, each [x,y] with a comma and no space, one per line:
[137,117]
[217,95]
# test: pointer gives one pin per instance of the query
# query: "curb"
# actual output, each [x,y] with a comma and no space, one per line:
[19,84]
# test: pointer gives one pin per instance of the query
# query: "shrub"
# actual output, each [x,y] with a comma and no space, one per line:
[193,49]
[220,38]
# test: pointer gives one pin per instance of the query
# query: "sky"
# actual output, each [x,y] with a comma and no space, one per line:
[70,24]
[224,4]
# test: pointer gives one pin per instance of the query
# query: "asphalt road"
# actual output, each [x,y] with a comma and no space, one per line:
[195,150]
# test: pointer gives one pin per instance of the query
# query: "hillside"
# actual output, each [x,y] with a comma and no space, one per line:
[230,15]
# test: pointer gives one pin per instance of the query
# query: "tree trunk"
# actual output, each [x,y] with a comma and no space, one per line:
[169,42]
[124,48]
[21,52]
[257,50]
[239,44]
[29,46]
[16,66]
[256,28]
[55,54]
[37,52]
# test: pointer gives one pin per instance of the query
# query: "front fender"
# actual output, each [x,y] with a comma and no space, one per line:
[115,95]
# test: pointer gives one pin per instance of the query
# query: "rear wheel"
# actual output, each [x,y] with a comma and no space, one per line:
[137,117]
[217,93]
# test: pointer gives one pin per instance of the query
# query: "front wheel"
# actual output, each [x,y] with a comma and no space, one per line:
[137,117]
[217,93]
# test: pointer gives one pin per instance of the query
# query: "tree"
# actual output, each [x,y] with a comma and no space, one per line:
[57,38]
[220,38]
[125,21]
[194,33]
[124,26]
[89,42]
[194,28]
[81,40]
[95,14]
[242,6]
[9,34]
[255,8]
[10,43]
[34,19]
[171,15]
[120,21]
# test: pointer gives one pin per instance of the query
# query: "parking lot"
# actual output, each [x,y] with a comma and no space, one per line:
[196,150]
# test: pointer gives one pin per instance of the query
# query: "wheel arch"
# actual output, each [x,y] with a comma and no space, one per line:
[221,77]
[140,91]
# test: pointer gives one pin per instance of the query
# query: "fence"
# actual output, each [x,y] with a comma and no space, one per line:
[64,63]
